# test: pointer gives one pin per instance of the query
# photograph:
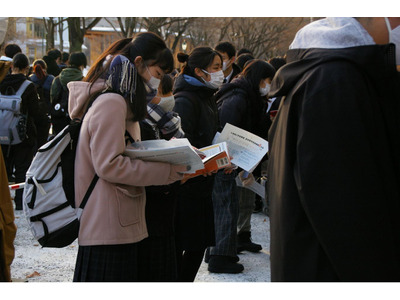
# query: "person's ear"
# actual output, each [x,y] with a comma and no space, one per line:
[138,61]
[199,72]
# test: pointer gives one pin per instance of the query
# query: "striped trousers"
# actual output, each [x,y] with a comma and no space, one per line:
[226,209]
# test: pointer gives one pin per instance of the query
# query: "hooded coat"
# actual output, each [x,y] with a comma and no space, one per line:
[115,211]
[333,173]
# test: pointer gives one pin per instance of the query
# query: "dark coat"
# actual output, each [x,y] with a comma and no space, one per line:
[236,72]
[160,199]
[241,105]
[334,166]
[199,115]
[43,88]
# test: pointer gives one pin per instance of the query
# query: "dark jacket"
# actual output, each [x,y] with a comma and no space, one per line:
[236,71]
[241,105]
[59,97]
[160,199]
[67,75]
[196,106]
[43,89]
[334,166]
[198,112]
[29,105]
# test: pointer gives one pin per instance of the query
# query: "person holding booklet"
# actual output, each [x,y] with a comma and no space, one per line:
[194,88]
[241,103]
[157,252]
[113,221]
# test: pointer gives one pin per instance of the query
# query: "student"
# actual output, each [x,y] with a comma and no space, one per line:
[64,60]
[157,252]
[334,163]
[194,88]
[241,103]
[59,90]
[6,60]
[242,59]
[43,82]
[18,157]
[228,53]
[113,221]
[53,59]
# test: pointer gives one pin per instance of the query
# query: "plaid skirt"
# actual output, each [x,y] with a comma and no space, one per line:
[107,263]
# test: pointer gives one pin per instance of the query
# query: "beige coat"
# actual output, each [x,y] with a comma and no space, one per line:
[114,213]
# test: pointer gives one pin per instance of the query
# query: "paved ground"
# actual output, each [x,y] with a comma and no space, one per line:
[36,264]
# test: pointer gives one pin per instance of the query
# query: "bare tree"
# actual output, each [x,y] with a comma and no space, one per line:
[265,37]
[177,28]
[61,32]
[77,28]
[155,24]
[208,31]
[8,31]
[50,26]
[128,26]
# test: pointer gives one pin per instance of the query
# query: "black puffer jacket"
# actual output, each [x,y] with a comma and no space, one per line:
[198,111]
[241,105]
[29,104]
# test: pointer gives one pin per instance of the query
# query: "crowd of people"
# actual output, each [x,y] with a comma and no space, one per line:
[328,110]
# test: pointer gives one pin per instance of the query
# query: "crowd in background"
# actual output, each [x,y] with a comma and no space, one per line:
[335,92]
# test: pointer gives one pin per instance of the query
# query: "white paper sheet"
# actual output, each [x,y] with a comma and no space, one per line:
[245,148]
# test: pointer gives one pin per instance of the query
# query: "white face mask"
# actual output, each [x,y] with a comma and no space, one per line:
[217,78]
[167,103]
[265,90]
[153,82]
[394,37]
[225,65]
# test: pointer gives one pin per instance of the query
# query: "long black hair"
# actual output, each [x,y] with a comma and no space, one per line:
[154,51]
[256,70]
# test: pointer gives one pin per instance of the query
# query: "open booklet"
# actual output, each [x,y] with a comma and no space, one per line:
[245,148]
[216,157]
[181,152]
[174,151]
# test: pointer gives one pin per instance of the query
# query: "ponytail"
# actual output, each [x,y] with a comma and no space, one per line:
[38,70]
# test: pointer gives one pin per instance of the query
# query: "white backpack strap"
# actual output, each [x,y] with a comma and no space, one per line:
[23,87]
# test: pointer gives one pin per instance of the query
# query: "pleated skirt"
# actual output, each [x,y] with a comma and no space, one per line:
[107,263]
